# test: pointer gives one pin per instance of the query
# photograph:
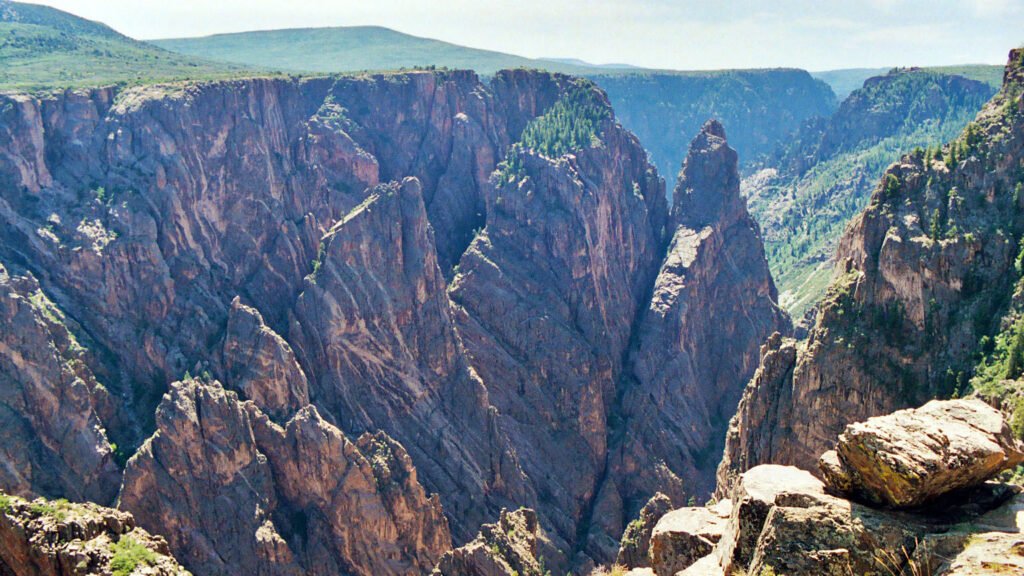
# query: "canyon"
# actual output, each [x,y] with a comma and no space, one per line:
[256,313]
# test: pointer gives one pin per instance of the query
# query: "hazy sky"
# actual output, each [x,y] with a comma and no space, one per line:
[682,34]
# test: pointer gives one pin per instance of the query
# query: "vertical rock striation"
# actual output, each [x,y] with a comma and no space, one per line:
[234,492]
[713,303]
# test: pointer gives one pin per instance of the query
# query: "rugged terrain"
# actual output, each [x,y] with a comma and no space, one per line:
[816,182]
[925,273]
[58,538]
[220,294]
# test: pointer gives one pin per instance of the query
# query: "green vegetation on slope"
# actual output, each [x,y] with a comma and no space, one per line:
[570,125]
[128,555]
[759,109]
[826,176]
[351,49]
[845,81]
[42,48]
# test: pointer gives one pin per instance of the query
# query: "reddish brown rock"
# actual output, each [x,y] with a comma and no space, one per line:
[52,437]
[924,272]
[58,538]
[235,492]
[261,366]
[547,296]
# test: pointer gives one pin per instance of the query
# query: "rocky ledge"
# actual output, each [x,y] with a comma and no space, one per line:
[907,493]
[59,538]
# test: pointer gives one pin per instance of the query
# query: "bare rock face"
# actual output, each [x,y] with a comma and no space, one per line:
[912,456]
[339,243]
[52,437]
[923,274]
[235,492]
[506,548]
[684,536]
[547,295]
[261,366]
[374,325]
[713,305]
[57,538]
[636,540]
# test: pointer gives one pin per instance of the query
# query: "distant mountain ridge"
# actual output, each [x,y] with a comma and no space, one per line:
[45,48]
[354,49]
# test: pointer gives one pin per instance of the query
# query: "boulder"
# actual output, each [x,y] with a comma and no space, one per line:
[989,553]
[686,535]
[911,457]
[753,497]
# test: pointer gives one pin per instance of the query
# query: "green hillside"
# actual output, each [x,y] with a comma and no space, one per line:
[43,48]
[845,81]
[813,186]
[350,49]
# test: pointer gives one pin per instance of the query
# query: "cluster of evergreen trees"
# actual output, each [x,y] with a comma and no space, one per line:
[572,124]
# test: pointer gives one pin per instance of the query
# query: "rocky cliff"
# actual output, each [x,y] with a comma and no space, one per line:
[924,273]
[442,287]
[818,180]
[713,302]
[58,538]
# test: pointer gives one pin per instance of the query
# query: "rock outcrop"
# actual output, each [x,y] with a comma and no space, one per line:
[52,439]
[261,366]
[713,304]
[912,456]
[924,273]
[684,536]
[636,540]
[507,548]
[782,520]
[58,538]
[234,492]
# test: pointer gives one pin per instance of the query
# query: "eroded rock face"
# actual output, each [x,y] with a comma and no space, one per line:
[506,548]
[57,538]
[261,366]
[235,492]
[636,540]
[52,437]
[295,238]
[684,536]
[912,456]
[924,272]
[713,305]
[547,295]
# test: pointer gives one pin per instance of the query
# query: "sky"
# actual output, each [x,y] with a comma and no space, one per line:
[679,34]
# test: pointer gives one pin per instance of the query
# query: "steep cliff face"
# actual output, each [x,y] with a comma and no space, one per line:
[713,303]
[294,239]
[924,273]
[52,439]
[234,492]
[384,355]
[548,293]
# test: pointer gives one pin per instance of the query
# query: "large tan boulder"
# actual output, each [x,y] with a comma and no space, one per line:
[910,457]
[753,497]
[684,536]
